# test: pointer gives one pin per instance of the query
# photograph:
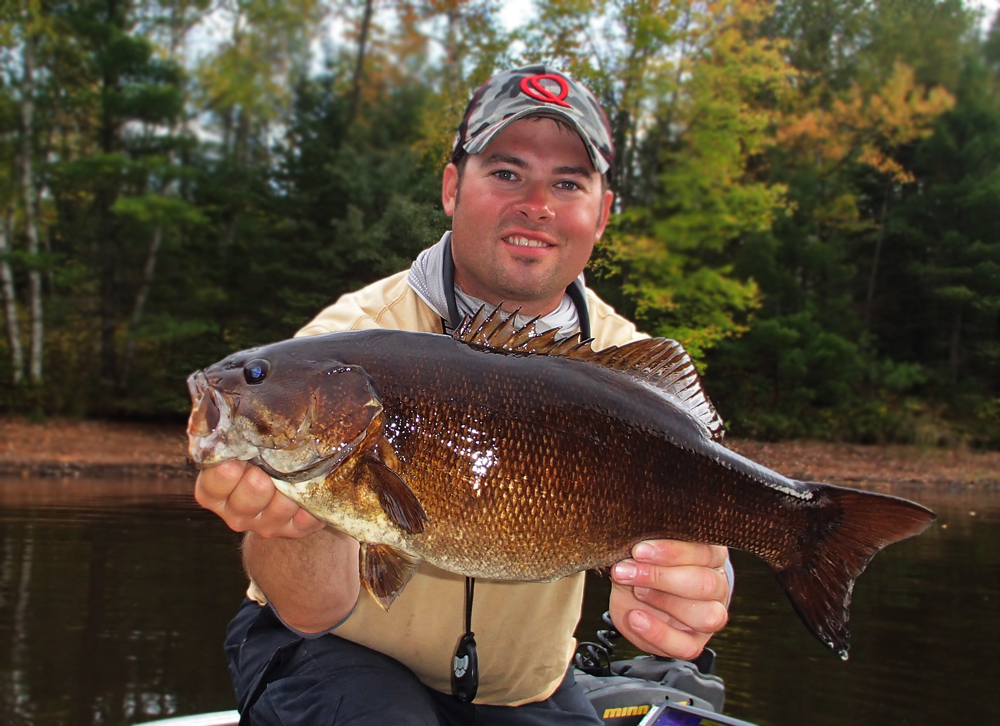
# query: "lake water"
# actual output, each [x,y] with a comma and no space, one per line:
[114,598]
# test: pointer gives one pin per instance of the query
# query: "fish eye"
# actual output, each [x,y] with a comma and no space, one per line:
[256,370]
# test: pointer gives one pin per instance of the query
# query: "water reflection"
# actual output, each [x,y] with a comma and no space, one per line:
[925,622]
[114,598]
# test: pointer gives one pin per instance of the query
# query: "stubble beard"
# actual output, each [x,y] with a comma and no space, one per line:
[524,288]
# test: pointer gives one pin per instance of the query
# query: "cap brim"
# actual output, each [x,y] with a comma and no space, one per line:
[483,139]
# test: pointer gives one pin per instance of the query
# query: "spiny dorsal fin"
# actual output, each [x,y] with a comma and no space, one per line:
[660,362]
[496,330]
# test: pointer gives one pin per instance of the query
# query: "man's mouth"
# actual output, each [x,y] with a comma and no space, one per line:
[525,242]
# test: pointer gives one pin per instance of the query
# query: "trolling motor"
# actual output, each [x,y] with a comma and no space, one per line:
[650,690]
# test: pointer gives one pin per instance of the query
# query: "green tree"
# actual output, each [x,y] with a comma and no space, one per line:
[107,74]
[946,241]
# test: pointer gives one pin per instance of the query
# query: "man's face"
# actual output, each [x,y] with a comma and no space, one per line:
[526,218]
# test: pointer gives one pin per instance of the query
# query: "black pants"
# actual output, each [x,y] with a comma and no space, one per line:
[282,679]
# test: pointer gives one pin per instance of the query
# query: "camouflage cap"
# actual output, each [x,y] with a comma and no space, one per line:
[533,91]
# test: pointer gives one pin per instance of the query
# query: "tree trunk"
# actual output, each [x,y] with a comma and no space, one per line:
[956,339]
[878,253]
[30,217]
[108,303]
[359,66]
[452,67]
[240,158]
[148,273]
[178,29]
[108,226]
[10,308]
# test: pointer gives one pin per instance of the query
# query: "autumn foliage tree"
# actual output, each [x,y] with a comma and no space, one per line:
[815,361]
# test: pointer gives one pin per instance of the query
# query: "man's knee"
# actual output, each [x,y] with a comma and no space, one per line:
[333,681]
[283,679]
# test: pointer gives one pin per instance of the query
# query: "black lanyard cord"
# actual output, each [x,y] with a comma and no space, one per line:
[470,590]
[465,666]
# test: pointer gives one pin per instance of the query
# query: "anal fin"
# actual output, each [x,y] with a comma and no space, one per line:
[385,571]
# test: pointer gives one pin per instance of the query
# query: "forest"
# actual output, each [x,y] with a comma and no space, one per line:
[807,191]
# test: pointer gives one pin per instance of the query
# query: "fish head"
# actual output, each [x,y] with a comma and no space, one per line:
[295,417]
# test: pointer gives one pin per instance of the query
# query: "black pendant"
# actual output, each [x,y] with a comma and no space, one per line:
[465,669]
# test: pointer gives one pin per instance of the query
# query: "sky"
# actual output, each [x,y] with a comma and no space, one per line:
[513,13]
[990,8]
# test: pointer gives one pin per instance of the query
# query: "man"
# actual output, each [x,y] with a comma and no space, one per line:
[527,193]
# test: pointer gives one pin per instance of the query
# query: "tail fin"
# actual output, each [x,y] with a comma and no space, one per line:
[849,528]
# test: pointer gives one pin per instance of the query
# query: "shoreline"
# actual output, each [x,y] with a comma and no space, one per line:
[94,470]
[86,449]
[75,449]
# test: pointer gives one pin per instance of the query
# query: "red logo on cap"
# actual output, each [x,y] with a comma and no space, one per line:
[532,86]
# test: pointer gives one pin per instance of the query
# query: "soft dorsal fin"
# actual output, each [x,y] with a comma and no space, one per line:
[660,362]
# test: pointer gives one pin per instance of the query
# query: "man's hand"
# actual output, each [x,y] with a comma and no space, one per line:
[246,499]
[670,597]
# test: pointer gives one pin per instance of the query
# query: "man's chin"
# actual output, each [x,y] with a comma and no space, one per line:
[531,299]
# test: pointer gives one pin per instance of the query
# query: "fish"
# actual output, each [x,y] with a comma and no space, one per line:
[500,452]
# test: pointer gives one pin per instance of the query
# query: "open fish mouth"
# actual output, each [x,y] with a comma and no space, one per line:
[211,416]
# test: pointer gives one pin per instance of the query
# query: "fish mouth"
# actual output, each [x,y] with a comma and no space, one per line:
[210,441]
[211,416]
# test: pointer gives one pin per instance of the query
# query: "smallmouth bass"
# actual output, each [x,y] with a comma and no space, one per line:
[498,453]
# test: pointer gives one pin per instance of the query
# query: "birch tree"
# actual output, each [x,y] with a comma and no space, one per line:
[8,187]
[10,302]
[29,23]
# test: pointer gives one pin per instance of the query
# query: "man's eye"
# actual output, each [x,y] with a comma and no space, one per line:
[504,175]
[568,186]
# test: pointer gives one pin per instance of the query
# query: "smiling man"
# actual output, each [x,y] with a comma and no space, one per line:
[527,193]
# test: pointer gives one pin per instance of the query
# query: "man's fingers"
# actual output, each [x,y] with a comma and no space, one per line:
[689,582]
[703,616]
[246,499]
[284,518]
[305,523]
[669,597]
[253,494]
[673,552]
[655,633]
[214,484]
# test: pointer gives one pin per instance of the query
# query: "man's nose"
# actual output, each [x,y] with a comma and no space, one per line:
[536,202]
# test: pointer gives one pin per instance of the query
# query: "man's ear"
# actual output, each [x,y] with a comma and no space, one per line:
[449,189]
[609,197]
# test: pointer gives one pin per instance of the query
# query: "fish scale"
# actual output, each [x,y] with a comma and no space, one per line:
[508,455]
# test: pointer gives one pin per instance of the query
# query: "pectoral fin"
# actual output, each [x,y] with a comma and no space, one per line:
[385,571]
[396,498]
